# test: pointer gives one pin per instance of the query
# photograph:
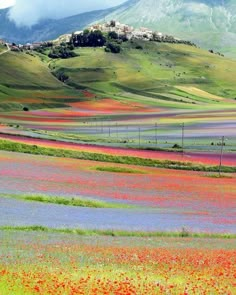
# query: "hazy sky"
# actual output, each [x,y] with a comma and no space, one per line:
[29,12]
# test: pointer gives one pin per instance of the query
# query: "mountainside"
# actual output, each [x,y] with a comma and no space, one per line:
[209,23]
[51,29]
[47,29]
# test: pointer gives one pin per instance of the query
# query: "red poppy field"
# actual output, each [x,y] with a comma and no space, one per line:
[89,106]
[66,264]
[140,185]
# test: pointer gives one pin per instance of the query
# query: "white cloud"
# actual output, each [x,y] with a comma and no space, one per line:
[6,3]
[28,12]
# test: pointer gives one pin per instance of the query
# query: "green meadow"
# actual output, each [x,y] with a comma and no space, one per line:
[158,74]
[26,80]
[154,74]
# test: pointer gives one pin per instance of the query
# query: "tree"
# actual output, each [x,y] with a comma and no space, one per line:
[96,39]
[62,77]
[86,32]
[89,39]
[114,48]
[113,35]
[62,52]
[113,23]
[71,47]
[49,44]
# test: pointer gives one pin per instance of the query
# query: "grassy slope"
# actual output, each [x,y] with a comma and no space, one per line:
[2,48]
[153,73]
[150,76]
[24,79]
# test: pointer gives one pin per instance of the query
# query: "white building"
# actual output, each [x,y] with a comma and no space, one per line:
[123,30]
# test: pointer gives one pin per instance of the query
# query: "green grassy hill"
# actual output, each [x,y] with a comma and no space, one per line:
[2,48]
[26,80]
[159,74]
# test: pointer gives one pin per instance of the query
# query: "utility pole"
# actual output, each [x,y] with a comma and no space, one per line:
[183,129]
[117,130]
[221,154]
[156,133]
[139,136]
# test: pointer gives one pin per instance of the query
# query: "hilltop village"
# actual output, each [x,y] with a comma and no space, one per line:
[127,32]
[123,31]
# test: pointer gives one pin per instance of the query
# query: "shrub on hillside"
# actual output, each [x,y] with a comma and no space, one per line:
[113,35]
[62,77]
[176,146]
[113,48]
[62,52]
[139,47]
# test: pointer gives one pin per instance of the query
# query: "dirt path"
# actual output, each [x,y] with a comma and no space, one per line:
[8,49]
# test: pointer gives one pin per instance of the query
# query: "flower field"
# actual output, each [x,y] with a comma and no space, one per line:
[117,171]
[66,264]
[146,185]
[159,200]
[205,158]
[193,199]
[80,108]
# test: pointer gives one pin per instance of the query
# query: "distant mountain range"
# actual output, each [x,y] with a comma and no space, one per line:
[209,23]
[47,29]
